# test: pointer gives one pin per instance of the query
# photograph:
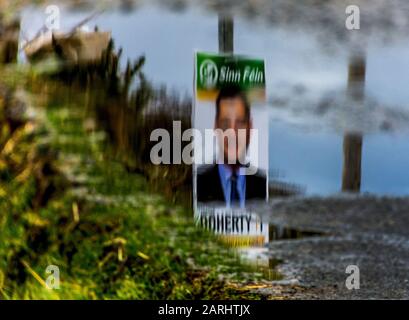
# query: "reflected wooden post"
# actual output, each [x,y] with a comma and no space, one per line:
[226,31]
[351,175]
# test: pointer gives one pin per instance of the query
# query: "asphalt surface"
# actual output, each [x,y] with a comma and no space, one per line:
[369,232]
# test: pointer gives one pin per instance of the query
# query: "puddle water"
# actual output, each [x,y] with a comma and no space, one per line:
[305,85]
[250,235]
[321,142]
[286,233]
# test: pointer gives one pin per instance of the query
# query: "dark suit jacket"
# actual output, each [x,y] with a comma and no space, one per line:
[209,187]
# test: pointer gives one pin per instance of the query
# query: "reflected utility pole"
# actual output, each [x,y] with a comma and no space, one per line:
[351,175]
[226,31]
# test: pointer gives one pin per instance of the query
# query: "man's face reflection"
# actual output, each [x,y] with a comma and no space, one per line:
[232,117]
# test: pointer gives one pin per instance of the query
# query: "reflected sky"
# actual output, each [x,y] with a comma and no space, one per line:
[301,151]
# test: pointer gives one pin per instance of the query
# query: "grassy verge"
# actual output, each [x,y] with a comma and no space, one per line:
[65,201]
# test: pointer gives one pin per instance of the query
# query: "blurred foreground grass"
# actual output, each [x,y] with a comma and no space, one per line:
[65,201]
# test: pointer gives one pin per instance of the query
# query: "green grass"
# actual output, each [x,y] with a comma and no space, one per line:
[110,236]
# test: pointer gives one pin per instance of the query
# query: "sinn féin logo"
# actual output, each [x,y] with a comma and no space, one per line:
[208,74]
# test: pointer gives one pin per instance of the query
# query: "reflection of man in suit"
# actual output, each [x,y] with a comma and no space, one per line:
[227,181]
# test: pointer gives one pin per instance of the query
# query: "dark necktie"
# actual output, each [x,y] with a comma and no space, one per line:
[233,193]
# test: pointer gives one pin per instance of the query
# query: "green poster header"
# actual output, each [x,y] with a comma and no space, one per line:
[215,71]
